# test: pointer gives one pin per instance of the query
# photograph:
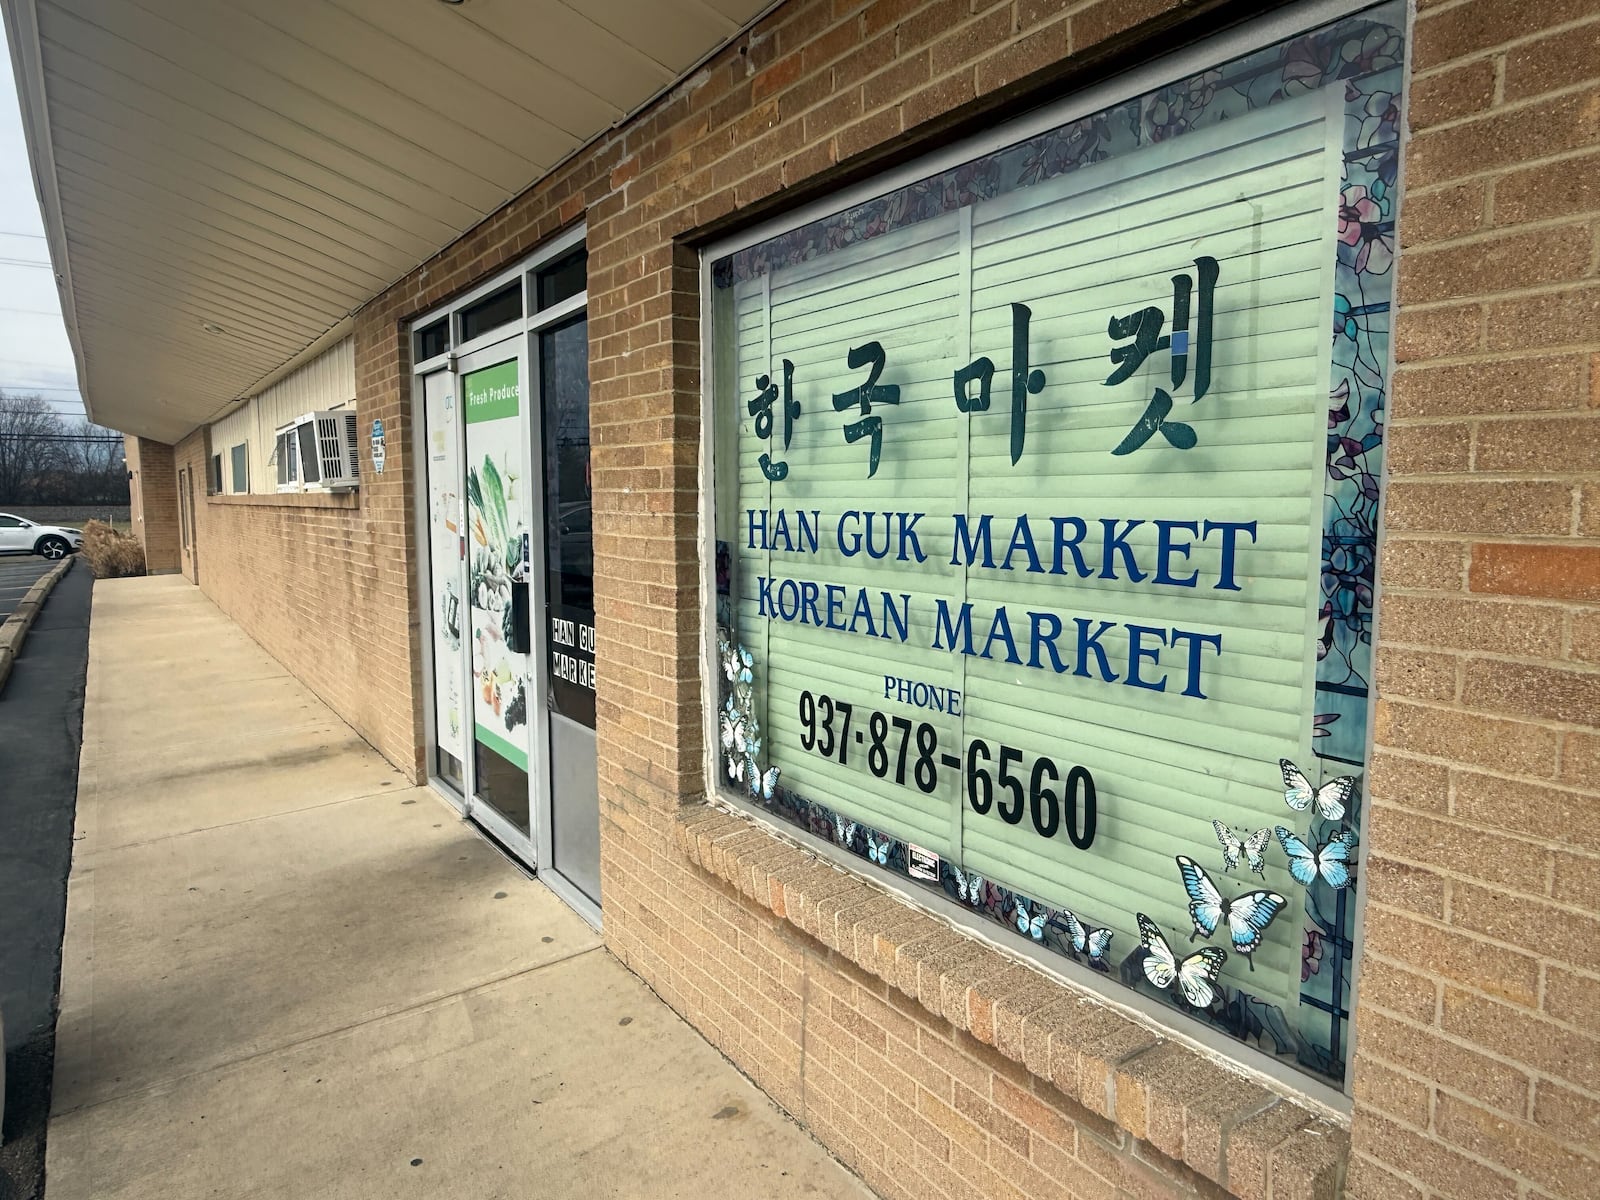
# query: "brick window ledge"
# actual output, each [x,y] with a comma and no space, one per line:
[350,499]
[1236,1133]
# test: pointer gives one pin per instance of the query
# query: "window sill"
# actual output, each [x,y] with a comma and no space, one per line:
[350,499]
[1232,1130]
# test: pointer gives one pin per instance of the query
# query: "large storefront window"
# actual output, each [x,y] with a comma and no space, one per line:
[1046,499]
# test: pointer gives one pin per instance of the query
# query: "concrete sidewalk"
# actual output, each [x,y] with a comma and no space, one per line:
[289,974]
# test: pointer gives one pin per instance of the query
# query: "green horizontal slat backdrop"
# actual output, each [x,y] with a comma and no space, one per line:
[1258,195]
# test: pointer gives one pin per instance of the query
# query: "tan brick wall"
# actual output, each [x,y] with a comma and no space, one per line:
[1477,1035]
[153,502]
[1476,1046]
[324,584]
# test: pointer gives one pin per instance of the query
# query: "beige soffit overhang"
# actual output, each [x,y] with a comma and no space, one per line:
[268,166]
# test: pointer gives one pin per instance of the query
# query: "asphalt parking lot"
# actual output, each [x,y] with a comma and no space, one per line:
[17,574]
[41,724]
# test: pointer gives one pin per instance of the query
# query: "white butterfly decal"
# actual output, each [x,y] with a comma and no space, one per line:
[878,849]
[1032,926]
[1330,797]
[762,785]
[968,887]
[1248,915]
[733,739]
[1196,976]
[1331,860]
[1251,847]
[736,768]
[846,831]
[1093,942]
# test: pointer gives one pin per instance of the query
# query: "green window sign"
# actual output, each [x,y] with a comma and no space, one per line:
[492,393]
[1045,518]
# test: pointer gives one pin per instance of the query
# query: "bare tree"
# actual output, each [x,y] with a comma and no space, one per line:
[30,446]
[94,461]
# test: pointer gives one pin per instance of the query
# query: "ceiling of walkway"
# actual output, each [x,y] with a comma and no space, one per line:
[264,167]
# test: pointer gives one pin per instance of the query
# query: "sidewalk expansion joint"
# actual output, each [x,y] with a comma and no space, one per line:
[227,1064]
[288,812]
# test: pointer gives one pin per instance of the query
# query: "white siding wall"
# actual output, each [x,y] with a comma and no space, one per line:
[327,381]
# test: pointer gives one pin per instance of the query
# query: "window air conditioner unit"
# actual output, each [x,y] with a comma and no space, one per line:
[318,452]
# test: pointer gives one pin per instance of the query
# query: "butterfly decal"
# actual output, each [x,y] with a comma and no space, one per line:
[1330,798]
[1250,847]
[733,732]
[1093,942]
[736,768]
[969,888]
[1196,975]
[846,831]
[762,785]
[1247,916]
[1031,926]
[1331,860]
[878,849]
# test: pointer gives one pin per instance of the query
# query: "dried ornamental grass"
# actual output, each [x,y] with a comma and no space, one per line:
[111,555]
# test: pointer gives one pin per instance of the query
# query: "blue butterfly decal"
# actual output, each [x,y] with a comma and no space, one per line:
[969,888]
[762,785]
[1331,860]
[1330,799]
[1093,942]
[1031,926]
[1248,915]
[878,849]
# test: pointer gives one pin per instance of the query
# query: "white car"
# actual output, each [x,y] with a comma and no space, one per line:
[18,535]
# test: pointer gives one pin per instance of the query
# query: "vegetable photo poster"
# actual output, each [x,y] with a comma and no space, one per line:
[497,556]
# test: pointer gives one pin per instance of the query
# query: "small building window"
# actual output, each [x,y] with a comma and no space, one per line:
[433,340]
[241,468]
[564,278]
[214,483]
[494,310]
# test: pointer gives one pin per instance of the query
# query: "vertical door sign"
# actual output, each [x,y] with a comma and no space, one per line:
[572,658]
[378,449]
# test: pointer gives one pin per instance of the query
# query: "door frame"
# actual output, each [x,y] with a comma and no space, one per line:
[519,337]
[527,846]
[425,577]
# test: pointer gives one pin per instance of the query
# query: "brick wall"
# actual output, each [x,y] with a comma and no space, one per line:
[1477,1031]
[324,584]
[927,1062]
[153,502]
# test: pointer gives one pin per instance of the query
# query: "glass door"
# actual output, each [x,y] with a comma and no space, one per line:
[574,842]
[502,389]
[497,629]
[447,575]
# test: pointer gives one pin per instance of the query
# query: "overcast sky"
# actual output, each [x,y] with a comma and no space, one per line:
[34,353]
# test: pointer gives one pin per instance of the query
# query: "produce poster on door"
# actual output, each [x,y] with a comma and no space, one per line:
[445,540]
[496,550]
[1044,526]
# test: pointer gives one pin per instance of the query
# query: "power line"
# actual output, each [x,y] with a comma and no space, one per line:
[25,262]
[38,237]
[99,438]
